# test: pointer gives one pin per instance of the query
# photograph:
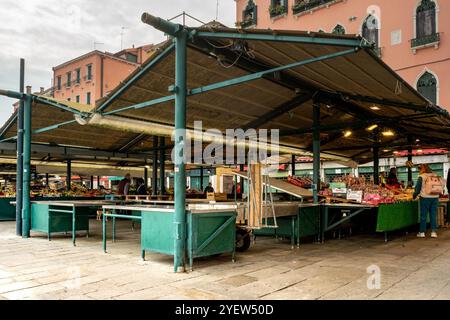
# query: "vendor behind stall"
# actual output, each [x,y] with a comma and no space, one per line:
[392,180]
[429,186]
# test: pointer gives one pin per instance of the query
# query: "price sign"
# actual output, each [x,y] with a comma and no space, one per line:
[355,195]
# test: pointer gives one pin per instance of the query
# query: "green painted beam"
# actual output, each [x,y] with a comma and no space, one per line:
[356,42]
[163,25]
[258,75]
[279,111]
[9,125]
[56,105]
[141,105]
[26,177]
[136,77]
[232,82]
[12,94]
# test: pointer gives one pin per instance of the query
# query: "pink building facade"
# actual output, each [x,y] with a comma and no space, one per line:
[92,76]
[411,36]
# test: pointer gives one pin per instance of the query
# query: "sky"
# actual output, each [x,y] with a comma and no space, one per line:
[47,33]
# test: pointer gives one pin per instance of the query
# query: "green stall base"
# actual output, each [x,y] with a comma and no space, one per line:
[306,223]
[7,210]
[397,216]
[43,220]
[208,233]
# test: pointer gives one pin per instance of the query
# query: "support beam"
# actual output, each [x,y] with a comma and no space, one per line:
[26,204]
[376,165]
[146,177]
[133,142]
[69,175]
[123,88]
[316,150]
[56,105]
[180,137]
[410,158]
[19,167]
[155,166]
[233,82]
[259,75]
[12,94]
[278,111]
[361,43]
[47,180]
[202,187]
[162,166]
[390,103]
[293,165]
[98,182]
[92,183]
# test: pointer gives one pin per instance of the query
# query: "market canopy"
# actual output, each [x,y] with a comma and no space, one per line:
[239,79]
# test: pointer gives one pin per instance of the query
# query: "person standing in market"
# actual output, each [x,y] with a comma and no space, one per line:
[141,189]
[209,188]
[429,187]
[392,180]
[124,185]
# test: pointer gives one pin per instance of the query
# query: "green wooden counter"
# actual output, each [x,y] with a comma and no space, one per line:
[7,210]
[304,223]
[208,232]
[63,216]
[397,216]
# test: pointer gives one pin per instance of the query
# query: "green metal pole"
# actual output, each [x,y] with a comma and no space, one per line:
[410,158]
[180,135]
[26,205]
[316,150]
[19,168]
[155,166]
[69,175]
[162,165]
[202,176]
[146,177]
[293,165]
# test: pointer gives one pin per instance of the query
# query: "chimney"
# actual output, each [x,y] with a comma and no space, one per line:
[41,90]
[29,89]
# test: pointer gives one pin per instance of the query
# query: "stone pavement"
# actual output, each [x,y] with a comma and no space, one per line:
[409,268]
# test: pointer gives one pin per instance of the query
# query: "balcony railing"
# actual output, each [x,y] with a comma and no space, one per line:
[307,5]
[278,10]
[426,41]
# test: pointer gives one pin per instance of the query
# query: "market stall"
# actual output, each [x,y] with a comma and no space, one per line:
[210,230]
[330,96]
[51,217]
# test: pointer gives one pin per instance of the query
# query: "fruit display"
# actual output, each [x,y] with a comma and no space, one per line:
[371,194]
[55,191]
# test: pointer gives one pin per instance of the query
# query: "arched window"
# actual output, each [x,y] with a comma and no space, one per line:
[338,30]
[249,15]
[427,86]
[426,19]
